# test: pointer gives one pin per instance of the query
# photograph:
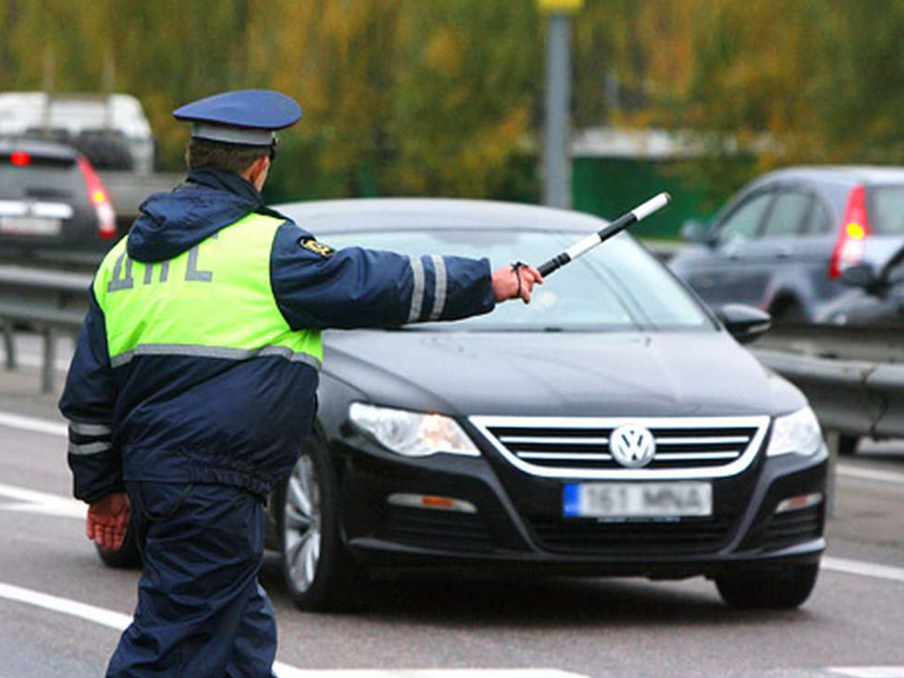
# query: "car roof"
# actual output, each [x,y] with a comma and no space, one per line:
[865,174]
[38,147]
[379,214]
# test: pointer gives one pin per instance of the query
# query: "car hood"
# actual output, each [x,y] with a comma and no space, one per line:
[558,374]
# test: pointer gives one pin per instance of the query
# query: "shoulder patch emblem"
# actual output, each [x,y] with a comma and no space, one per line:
[317,247]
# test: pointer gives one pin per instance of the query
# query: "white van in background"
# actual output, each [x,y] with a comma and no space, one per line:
[111,130]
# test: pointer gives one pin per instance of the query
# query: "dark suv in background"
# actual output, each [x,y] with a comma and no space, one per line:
[52,203]
[783,242]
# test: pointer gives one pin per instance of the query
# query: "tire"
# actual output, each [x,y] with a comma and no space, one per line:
[319,572]
[788,311]
[847,445]
[783,589]
[126,557]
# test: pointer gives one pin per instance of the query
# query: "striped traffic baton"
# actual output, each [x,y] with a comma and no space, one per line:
[581,247]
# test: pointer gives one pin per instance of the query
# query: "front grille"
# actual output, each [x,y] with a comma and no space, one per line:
[685,447]
[631,538]
[793,527]
[434,529]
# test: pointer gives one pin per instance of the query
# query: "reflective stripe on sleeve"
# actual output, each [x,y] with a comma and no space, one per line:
[417,291]
[197,351]
[440,293]
[90,448]
[89,429]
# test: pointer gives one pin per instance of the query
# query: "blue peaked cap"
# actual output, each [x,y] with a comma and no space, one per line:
[248,116]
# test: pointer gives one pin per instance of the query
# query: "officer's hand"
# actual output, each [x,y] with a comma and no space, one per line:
[107,520]
[506,282]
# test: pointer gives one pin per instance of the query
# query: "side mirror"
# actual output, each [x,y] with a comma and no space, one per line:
[744,323]
[860,275]
[696,231]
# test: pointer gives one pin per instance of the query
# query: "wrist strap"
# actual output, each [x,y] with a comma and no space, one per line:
[516,269]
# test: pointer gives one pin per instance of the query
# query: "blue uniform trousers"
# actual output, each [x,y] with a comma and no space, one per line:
[201,612]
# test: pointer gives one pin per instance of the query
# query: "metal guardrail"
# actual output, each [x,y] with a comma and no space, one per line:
[47,301]
[853,376]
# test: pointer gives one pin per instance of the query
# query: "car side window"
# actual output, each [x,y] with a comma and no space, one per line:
[895,274]
[819,221]
[787,216]
[742,224]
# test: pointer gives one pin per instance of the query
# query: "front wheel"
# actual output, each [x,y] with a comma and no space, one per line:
[782,589]
[847,445]
[319,571]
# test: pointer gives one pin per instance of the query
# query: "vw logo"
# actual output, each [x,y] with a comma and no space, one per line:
[632,446]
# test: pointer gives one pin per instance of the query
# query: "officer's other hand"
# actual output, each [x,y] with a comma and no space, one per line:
[506,285]
[107,520]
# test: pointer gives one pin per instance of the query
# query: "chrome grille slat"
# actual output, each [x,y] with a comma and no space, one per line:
[704,441]
[564,455]
[696,456]
[687,447]
[525,440]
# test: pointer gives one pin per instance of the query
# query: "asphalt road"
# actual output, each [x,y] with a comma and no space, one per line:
[61,610]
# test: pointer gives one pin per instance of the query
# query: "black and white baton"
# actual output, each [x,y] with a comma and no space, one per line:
[581,247]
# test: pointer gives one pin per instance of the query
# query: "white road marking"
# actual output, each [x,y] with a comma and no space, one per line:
[119,622]
[36,361]
[29,353]
[869,671]
[870,474]
[863,569]
[98,615]
[32,501]
[33,424]
[429,673]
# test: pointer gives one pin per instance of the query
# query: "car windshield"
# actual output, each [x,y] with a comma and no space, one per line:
[618,286]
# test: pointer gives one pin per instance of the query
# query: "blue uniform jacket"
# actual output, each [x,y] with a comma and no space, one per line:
[198,419]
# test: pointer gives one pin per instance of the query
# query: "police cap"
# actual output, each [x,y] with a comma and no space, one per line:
[248,116]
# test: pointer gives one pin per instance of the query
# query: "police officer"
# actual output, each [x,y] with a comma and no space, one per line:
[195,378]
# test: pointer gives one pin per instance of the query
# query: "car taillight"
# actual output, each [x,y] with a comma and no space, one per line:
[854,228]
[20,158]
[100,200]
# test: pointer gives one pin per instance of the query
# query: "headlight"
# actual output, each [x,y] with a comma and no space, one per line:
[797,433]
[412,434]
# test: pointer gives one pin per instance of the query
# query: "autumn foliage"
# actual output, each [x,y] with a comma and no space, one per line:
[444,97]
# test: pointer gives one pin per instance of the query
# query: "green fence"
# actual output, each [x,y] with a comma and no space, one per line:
[608,187]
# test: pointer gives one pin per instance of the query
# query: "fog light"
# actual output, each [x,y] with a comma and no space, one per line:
[429,501]
[799,502]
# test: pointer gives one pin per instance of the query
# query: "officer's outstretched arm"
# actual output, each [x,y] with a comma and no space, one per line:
[87,402]
[317,287]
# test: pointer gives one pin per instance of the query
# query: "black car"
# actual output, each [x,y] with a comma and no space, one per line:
[613,427]
[783,242]
[52,203]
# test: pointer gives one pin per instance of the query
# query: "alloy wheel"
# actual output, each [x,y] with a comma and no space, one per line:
[302,524]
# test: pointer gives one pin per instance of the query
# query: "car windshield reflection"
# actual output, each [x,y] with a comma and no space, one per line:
[618,287]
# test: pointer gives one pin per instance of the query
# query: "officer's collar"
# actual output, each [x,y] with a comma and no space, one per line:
[211,177]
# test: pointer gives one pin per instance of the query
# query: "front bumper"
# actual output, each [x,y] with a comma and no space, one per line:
[518,526]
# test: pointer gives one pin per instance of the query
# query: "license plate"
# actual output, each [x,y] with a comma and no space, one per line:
[637,500]
[30,226]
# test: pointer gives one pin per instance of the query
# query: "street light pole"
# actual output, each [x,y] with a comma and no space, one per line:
[556,169]
[557,175]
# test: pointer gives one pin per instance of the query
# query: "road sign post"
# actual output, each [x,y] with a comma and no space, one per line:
[557,173]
